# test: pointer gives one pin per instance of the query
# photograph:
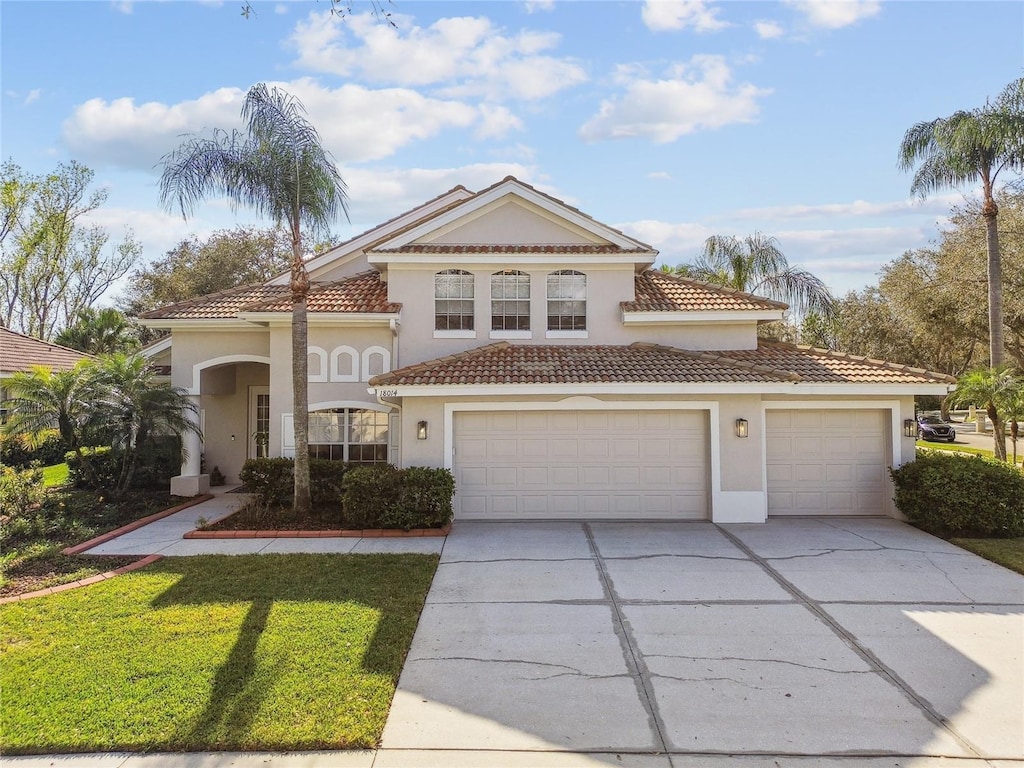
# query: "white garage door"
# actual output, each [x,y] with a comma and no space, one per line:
[828,462]
[581,464]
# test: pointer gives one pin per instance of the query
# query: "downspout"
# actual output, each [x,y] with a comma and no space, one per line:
[393,325]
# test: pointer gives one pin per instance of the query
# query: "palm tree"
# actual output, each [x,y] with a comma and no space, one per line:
[1012,407]
[990,388]
[42,399]
[138,409]
[755,264]
[968,148]
[99,332]
[280,168]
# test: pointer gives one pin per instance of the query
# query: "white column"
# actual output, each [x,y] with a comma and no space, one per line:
[191,482]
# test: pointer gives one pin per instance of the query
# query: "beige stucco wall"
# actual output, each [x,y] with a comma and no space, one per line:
[511,221]
[227,427]
[190,348]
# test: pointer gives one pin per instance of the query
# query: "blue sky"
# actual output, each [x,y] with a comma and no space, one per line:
[671,120]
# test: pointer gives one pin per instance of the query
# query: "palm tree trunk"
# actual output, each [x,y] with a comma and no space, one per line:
[990,211]
[300,377]
[998,432]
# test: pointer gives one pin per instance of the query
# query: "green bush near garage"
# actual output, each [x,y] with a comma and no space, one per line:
[955,495]
[272,481]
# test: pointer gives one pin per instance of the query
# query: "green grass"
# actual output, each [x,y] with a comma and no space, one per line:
[56,474]
[1006,552]
[255,652]
[955,448]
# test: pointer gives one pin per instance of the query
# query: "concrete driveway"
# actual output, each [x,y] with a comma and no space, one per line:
[802,641]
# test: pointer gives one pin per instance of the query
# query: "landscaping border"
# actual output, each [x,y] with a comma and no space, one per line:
[147,560]
[352,533]
[103,538]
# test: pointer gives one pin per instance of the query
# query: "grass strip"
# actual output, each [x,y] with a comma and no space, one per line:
[55,474]
[1005,552]
[254,652]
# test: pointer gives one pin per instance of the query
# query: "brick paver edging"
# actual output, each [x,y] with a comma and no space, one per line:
[366,533]
[133,526]
[148,560]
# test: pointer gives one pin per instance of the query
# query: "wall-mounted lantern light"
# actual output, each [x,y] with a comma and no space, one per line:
[909,428]
[421,430]
[742,428]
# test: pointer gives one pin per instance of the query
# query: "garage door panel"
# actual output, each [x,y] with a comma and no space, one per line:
[581,464]
[827,462]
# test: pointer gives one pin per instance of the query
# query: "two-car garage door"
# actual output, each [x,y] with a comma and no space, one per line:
[581,464]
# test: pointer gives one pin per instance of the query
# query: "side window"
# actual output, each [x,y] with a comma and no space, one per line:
[567,301]
[510,301]
[316,360]
[453,300]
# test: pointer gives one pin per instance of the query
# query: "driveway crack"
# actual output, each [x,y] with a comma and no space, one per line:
[761,661]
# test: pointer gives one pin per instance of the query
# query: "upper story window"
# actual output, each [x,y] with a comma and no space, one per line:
[453,300]
[567,301]
[510,301]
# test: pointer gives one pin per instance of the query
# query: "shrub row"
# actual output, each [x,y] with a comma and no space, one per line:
[156,464]
[956,495]
[19,451]
[368,496]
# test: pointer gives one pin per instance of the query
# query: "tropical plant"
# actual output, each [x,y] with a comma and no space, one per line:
[973,147]
[42,399]
[989,388]
[755,264]
[1012,406]
[138,409]
[280,168]
[99,332]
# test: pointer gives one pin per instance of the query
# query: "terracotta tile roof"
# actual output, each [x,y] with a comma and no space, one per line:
[505,363]
[363,293]
[824,366]
[509,248]
[19,352]
[658,291]
[221,305]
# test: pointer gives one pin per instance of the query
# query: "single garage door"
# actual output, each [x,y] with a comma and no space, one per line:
[828,462]
[581,464]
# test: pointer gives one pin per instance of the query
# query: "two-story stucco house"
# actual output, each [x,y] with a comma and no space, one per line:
[533,350]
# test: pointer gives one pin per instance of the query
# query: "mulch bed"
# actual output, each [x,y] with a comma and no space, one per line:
[50,572]
[249,518]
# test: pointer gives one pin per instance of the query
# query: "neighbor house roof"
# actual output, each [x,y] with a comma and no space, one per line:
[509,248]
[19,352]
[363,293]
[658,291]
[641,362]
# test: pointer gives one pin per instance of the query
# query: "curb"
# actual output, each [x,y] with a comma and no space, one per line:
[368,533]
[147,560]
[78,549]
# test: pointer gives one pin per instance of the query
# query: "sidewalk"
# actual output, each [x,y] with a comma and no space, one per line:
[164,537]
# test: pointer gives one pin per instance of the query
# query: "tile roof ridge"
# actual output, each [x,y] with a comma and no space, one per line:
[723,289]
[207,297]
[714,357]
[47,343]
[858,358]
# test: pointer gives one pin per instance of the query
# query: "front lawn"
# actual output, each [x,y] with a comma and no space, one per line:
[55,474]
[31,542]
[256,652]
[956,448]
[1006,552]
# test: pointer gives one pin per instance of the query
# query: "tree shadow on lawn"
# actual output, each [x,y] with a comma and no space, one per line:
[387,590]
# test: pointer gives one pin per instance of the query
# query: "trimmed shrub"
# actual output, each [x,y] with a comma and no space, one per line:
[17,450]
[955,495]
[272,481]
[371,494]
[380,496]
[103,461]
[157,462]
[326,480]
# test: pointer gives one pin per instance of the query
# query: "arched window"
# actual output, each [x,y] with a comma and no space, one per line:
[510,301]
[453,300]
[316,360]
[567,301]
[344,364]
[376,360]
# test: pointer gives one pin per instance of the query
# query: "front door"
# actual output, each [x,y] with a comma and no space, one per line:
[259,423]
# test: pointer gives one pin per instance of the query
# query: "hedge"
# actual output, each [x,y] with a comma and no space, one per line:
[368,496]
[20,451]
[956,495]
[156,464]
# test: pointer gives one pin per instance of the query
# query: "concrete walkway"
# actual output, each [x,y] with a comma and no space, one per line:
[804,642]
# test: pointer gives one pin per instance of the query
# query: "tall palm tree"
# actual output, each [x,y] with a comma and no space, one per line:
[42,399]
[99,332]
[138,409]
[756,264]
[973,148]
[280,168]
[990,388]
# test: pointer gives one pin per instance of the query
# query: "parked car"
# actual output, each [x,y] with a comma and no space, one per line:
[935,429]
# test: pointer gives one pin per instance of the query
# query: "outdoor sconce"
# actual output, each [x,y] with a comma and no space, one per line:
[909,428]
[421,430]
[742,428]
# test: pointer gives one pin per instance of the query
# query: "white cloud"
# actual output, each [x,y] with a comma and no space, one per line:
[677,242]
[834,14]
[937,204]
[459,55]
[281,9]
[671,15]
[122,6]
[536,6]
[692,96]
[659,175]
[33,95]
[768,30]
[357,124]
